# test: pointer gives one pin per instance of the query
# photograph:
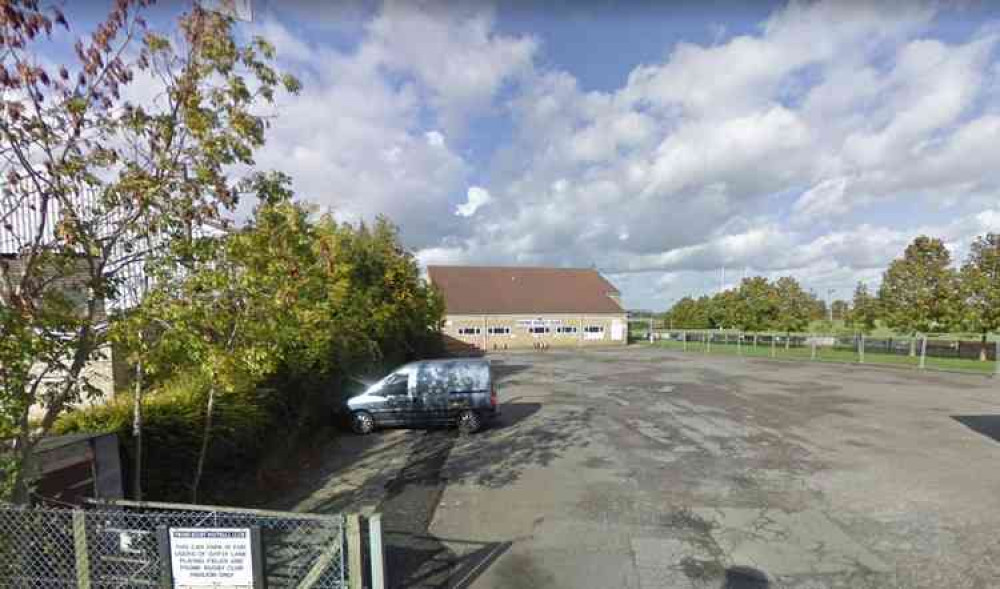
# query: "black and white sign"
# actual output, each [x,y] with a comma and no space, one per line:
[221,558]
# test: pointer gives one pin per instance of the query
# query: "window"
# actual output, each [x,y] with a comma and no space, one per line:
[566,329]
[469,331]
[498,330]
[538,330]
[594,329]
[396,385]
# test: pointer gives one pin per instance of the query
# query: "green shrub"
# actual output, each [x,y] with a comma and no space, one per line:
[173,417]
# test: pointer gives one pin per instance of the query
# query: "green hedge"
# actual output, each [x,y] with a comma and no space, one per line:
[244,423]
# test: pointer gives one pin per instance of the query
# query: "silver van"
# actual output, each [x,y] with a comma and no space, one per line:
[458,392]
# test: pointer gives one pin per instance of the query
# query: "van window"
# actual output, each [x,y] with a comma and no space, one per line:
[396,385]
[435,380]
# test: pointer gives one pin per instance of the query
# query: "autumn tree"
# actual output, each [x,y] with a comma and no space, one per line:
[864,310]
[919,291]
[92,177]
[980,287]
[689,313]
[756,304]
[795,305]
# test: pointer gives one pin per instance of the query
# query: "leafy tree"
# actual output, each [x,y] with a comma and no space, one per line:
[757,304]
[105,176]
[286,294]
[689,313]
[723,311]
[864,309]
[919,291]
[840,309]
[795,306]
[980,281]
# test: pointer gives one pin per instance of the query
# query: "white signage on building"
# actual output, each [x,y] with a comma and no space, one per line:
[220,558]
[538,322]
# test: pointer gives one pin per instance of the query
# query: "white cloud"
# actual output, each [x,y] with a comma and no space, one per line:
[477,197]
[822,201]
[453,51]
[785,149]
[434,138]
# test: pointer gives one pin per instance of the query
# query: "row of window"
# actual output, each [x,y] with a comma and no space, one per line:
[535,330]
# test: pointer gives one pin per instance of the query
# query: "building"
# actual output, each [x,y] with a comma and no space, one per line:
[497,308]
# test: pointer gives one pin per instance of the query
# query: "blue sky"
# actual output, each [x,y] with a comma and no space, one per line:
[658,141]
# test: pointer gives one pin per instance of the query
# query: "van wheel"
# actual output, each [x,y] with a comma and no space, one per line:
[469,422]
[362,422]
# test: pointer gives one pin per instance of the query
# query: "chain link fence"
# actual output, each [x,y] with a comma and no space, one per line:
[118,547]
[920,352]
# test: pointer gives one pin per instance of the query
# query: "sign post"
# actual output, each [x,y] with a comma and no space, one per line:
[220,558]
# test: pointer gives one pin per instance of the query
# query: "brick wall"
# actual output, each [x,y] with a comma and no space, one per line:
[520,335]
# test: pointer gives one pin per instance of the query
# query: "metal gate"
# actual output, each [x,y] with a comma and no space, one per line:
[117,547]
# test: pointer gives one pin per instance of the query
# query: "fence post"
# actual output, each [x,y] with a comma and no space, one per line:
[812,346]
[684,338]
[861,349]
[755,342]
[375,551]
[708,342]
[355,570]
[923,352]
[772,345]
[739,343]
[80,549]
[997,358]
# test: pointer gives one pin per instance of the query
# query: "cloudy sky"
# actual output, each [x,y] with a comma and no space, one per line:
[659,142]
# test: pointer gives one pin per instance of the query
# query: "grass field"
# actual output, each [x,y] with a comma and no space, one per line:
[831,355]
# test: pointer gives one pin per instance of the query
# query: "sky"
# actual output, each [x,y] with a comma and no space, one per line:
[659,142]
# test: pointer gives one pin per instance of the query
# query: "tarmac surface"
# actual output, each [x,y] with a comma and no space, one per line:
[645,468]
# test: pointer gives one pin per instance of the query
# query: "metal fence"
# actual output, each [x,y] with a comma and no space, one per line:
[117,547]
[920,352]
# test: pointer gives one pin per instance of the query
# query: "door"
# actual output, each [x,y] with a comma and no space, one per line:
[398,407]
[617,330]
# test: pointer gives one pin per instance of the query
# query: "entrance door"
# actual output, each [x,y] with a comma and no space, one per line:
[617,330]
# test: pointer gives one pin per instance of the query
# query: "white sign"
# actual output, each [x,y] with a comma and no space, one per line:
[220,558]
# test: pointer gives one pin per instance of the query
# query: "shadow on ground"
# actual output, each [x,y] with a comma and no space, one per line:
[502,370]
[740,577]
[523,439]
[414,557]
[495,457]
[987,425]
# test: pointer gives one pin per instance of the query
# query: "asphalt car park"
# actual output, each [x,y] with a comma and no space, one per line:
[641,467]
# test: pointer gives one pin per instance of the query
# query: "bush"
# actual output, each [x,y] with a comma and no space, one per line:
[173,416]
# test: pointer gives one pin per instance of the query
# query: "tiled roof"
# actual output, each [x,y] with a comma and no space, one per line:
[516,290]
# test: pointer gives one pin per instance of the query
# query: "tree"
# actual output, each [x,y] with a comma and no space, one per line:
[723,311]
[101,175]
[285,294]
[795,306]
[919,291]
[757,304]
[689,313]
[840,309]
[864,309]
[980,287]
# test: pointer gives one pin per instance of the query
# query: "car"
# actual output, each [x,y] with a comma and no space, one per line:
[458,392]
